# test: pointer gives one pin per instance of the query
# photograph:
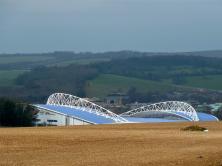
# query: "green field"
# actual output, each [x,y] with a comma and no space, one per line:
[208,82]
[107,83]
[7,77]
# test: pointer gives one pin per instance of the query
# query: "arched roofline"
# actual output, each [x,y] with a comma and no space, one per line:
[174,107]
[71,101]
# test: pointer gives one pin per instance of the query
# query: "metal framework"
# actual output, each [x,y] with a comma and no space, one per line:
[62,99]
[181,109]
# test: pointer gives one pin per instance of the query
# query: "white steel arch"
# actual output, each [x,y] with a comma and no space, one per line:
[62,99]
[181,109]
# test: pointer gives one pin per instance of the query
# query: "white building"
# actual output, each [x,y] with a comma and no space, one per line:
[52,118]
[64,109]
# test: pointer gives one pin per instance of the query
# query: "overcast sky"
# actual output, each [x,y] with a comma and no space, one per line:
[109,25]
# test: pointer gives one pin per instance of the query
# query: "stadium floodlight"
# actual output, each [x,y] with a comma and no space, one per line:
[178,108]
[62,99]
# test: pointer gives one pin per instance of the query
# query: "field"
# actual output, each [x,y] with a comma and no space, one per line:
[107,83]
[110,145]
[208,82]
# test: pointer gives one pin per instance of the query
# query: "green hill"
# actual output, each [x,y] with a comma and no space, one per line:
[108,83]
[208,82]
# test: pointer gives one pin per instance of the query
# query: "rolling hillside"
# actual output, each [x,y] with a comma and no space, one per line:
[114,72]
[208,82]
[108,83]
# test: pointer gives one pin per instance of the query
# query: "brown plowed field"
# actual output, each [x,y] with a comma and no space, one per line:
[113,145]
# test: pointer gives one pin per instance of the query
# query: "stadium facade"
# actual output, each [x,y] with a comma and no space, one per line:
[64,109]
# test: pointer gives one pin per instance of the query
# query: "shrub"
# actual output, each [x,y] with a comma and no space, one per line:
[194,128]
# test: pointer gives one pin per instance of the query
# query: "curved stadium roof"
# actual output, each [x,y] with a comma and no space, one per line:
[77,113]
[89,112]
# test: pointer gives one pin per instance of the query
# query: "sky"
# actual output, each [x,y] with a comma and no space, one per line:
[28,26]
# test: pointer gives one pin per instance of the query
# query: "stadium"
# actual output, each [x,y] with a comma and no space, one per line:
[65,109]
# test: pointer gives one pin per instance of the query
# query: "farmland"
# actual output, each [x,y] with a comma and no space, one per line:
[129,144]
[208,82]
[108,83]
[150,78]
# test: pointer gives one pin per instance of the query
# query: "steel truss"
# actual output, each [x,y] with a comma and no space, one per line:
[173,107]
[61,99]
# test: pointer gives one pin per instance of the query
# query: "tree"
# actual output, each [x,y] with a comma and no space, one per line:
[15,114]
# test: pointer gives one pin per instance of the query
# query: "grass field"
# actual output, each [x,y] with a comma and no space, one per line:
[107,83]
[112,145]
[208,82]
[7,77]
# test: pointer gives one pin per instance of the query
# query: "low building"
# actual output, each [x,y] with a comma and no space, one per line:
[116,98]
[52,116]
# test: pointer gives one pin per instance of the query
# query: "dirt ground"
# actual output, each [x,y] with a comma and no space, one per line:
[112,145]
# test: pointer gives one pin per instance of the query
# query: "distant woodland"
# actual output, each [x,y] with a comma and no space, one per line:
[88,74]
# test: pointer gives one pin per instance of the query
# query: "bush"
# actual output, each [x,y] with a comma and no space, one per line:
[194,128]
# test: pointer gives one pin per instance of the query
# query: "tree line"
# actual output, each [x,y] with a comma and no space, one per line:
[15,114]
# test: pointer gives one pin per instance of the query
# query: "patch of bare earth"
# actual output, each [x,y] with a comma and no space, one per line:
[110,145]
